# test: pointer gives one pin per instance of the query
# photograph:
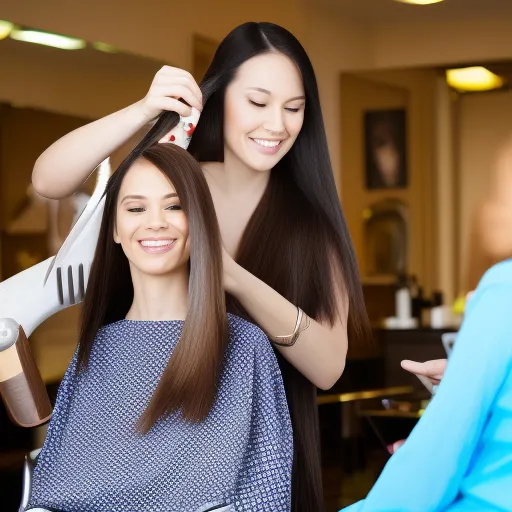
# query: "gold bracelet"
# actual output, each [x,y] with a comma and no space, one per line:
[288,341]
[308,323]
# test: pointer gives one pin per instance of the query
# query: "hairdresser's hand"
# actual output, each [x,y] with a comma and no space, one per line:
[168,87]
[430,373]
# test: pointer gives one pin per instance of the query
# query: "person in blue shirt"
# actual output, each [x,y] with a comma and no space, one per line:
[459,456]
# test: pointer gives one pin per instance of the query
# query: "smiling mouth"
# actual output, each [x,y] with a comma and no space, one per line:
[157,243]
[157,246]
[267,143]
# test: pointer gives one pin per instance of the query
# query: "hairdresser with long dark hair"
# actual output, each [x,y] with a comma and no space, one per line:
[289,263]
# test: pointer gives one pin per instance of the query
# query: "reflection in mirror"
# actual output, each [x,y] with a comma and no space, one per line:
[49,92]
[45,93]
[387,238]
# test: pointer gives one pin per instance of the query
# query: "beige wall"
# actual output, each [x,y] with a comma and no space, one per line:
[87,85]
[446,42]
[415,91]
[447,190]
[160,29]
[334,43]
[485,128]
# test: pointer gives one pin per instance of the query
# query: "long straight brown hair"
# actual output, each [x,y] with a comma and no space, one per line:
[297,234]
[190,380]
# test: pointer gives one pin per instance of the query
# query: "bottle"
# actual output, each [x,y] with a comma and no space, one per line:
[403,299]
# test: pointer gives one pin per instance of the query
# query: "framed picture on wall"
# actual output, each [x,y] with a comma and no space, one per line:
[385,147]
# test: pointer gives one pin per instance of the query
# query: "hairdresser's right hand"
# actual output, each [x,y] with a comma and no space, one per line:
[168,87]
[430,373]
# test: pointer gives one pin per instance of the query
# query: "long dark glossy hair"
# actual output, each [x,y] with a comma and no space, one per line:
[297,233]
[190,380]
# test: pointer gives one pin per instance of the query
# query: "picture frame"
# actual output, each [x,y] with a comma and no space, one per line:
[385,147]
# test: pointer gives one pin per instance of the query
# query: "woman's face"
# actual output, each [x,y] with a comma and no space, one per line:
[150,224]
[264,111]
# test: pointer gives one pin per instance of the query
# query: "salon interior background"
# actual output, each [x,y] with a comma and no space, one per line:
[368,55]
[340,36]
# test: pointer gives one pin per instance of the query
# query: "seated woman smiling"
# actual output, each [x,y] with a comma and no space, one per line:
[169,404]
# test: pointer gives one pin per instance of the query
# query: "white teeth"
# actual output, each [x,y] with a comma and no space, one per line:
[156,243]
[267,143]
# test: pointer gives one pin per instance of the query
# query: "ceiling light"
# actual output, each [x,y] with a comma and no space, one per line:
[5,29]
[419,2]
[475,78]
[47,39]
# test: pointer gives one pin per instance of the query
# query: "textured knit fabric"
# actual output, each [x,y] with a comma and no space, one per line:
[93,460]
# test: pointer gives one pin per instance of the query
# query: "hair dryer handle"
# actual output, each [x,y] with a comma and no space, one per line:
[21,385]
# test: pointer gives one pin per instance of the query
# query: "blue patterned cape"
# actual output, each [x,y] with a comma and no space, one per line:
[240,457]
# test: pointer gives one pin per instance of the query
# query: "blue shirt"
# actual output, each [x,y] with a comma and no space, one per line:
[93,459]
[459,456]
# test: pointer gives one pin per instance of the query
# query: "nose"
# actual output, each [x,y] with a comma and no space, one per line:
[156,219]
[275,122]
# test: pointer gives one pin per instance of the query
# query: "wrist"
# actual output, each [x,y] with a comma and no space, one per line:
[232,277]
[139,114]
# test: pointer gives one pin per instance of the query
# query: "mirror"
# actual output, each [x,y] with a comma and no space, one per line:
[445,142]
[45,93]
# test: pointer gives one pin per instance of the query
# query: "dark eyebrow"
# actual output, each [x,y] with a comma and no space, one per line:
[264,91]
[167,196]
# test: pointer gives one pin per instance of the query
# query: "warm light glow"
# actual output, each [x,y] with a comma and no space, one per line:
[473,79]
[5,29]
[104,47]
[47,39]
[419,2]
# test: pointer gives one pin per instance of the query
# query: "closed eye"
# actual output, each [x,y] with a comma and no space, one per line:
[136,210]
[261,105]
